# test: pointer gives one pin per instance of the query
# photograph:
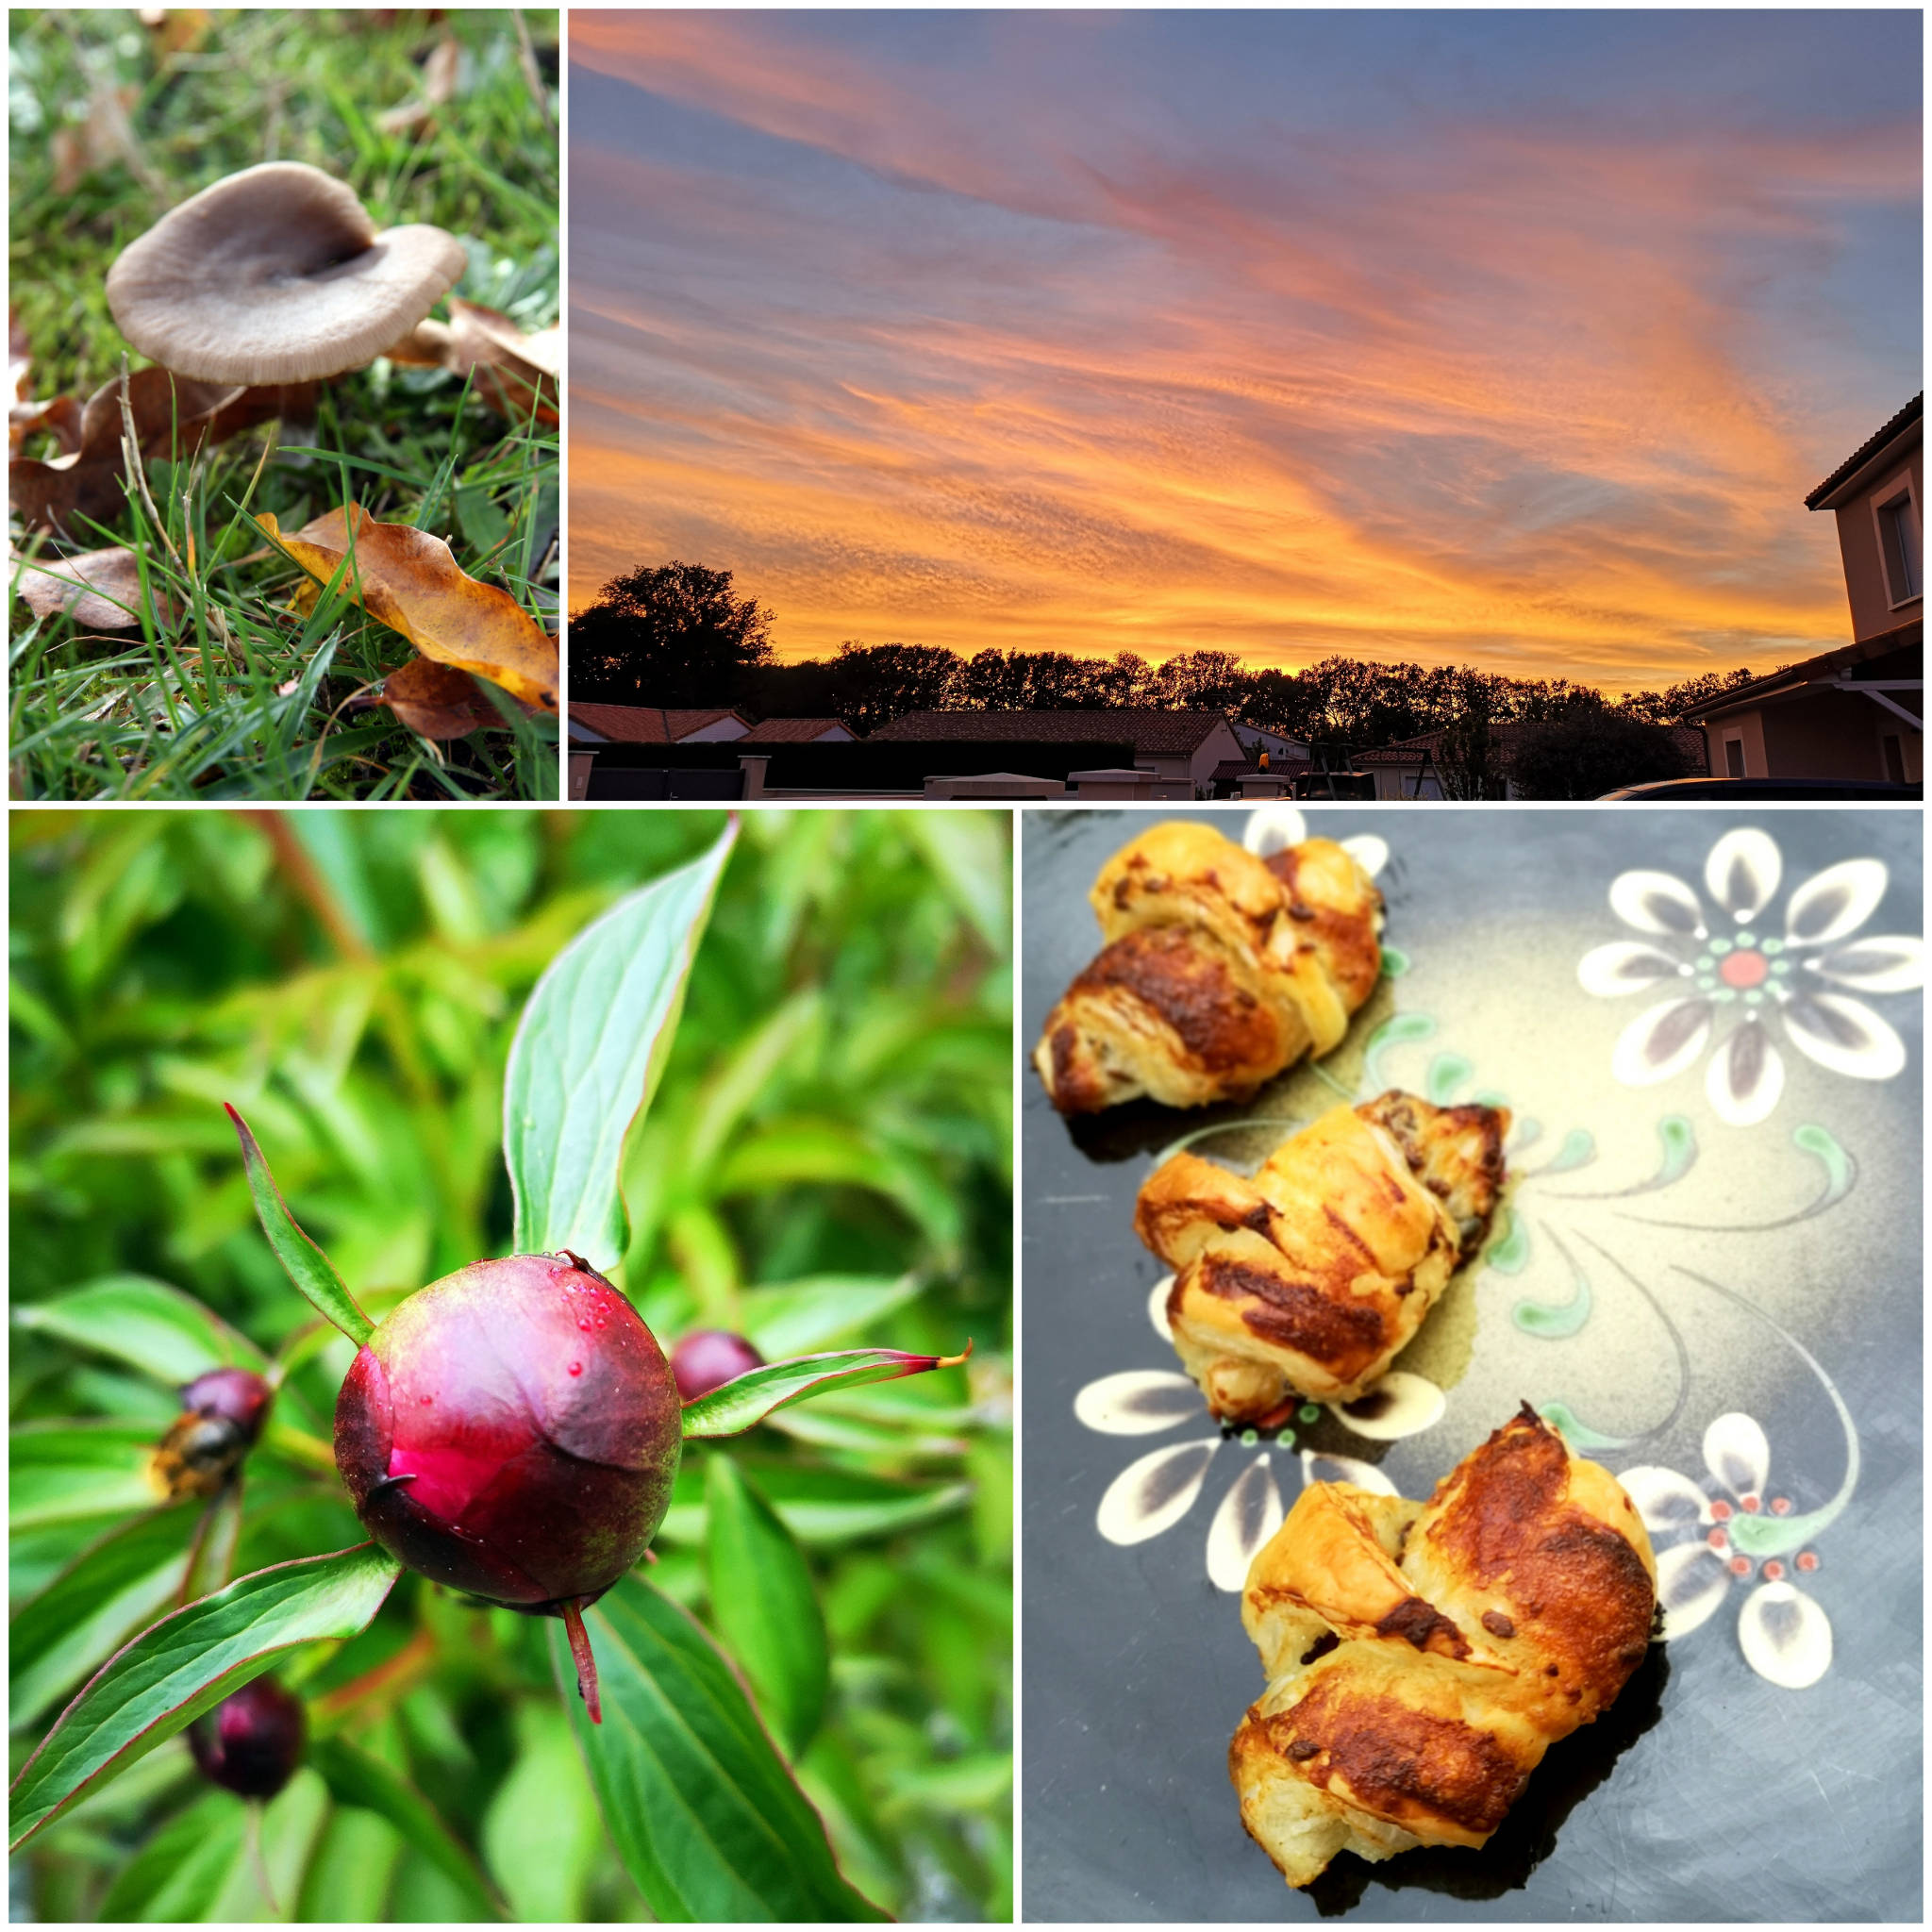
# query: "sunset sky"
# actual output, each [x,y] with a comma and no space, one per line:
[1510,339]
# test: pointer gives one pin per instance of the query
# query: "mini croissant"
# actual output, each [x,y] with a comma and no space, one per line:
[1308,1280]
[1220,970]
[1423,1657]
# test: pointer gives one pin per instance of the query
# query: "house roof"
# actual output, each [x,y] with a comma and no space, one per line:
[1410,751]
[1913,411]
[793,731]
[1280,764]
[1832,664]
[1152,733]
[644,724]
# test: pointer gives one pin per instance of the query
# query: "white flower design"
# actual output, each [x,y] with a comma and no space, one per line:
[1739,978]
[1157,1491]
[1273,827]
[1722,1539]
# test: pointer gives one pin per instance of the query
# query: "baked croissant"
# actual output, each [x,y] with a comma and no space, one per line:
[1220,970]
[1423,1657]
[1307,1280]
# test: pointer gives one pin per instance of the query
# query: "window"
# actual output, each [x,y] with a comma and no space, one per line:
[1898,544]
[1734,758]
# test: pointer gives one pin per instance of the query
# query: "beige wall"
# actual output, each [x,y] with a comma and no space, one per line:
[1857,537]
[1834,734]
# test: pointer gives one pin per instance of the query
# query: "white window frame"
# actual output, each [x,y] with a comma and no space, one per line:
[1884,498]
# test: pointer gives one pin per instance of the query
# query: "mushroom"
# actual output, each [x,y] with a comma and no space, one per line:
[276,275]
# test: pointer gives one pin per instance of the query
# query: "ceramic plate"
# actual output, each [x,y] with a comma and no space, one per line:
[1709,1028]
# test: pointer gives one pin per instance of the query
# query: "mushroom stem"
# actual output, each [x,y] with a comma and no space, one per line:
[585,1663]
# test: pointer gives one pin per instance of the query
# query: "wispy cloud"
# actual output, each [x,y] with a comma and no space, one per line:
[1007,338]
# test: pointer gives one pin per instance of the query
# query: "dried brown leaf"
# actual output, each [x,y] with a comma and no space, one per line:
[509,367]
[438,87]
[439,701]
[175,29]
[407,579]
[102,137]
[99,588]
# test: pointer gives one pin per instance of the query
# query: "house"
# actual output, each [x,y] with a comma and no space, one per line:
[648,725]
[1412,767]
[1173,745]
[1256,738]
[1857,711]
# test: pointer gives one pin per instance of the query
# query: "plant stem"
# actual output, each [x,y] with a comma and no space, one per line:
[585,1663]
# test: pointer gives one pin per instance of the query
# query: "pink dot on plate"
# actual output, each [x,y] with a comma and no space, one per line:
[1721,1510]
[1717,1539]
[577,1368]
[1808,1559]
[1741,1566]
[1774,1570]
[1750,1503]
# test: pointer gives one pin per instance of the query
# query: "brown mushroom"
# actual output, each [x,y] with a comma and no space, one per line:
[276,275]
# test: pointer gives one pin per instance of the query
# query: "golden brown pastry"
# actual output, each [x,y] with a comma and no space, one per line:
[1307,1280]
[1423,1657]
[1220,970]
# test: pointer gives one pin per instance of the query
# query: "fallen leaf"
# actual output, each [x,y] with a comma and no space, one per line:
[102,137]
[407,579]
[99,588]
[175,29]
[439,86]
[438,701]
[509,366]
[172,416]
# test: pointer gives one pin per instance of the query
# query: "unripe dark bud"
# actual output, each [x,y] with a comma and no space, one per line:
[706,1358]
[224,1414]
[250,1742]
[513,1431]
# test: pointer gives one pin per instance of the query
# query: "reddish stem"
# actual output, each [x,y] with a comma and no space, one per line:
[585,1663]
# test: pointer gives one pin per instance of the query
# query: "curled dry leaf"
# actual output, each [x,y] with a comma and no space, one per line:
[175,29]
[438,701]
[405,579]
[439,86]
[102,137]
[172,416]
[99,588]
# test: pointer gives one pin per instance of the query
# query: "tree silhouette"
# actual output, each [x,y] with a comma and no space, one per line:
[674,636]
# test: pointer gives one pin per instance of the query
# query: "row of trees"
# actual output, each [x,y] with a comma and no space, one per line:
[678,635]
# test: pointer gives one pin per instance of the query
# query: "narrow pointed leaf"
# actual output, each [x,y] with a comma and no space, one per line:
[146,1324]
[735,1407]
[63,1472]
[188,1662]
[354,1776]
[699,1804]
[588,1055]
[212,1553]
[308,1267]
[763,1604]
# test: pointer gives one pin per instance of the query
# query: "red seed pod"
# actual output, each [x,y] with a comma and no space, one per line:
[706,1358]
[224,1413]
[513,1431]
[250,1742]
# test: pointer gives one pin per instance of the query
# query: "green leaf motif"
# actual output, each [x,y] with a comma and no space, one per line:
[588,1055]
[698,1803]
[763,1604]
[738,1405]
[308,1267]
[146,1324]
[356,1776]
[188,1662]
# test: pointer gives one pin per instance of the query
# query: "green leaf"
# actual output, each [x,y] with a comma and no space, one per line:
[308,1267]
[822,1507]
[180,1873]
[588,1055]
[972,854]
[763,1604]
[189,1662]
[751,1397]
[699,1804]
[795,1316]
[542,1835]
[145,1324]
[217,1536]
[349,1877]
[354,1776]
[64,1472]
[120,1584]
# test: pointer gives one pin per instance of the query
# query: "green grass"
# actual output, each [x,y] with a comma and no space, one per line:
[245,698]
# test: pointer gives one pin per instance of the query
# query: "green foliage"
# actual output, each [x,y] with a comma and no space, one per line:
[244,697]
[826,1165]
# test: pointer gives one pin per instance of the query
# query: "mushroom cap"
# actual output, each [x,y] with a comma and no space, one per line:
[276,275]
